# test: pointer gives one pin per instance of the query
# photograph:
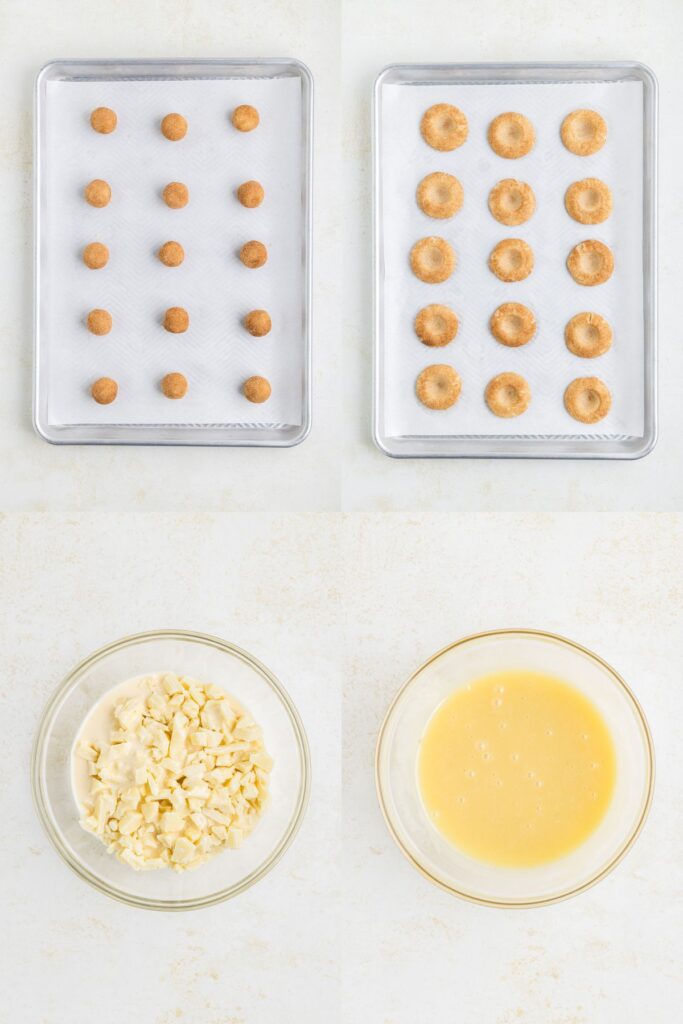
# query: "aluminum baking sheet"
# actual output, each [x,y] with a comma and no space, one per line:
[216,354]
[625,93]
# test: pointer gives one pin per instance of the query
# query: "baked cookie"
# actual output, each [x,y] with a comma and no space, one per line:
[103,120]
[253,254]
[508,395]
[250,194]
[104,390]
[258,323]
[174,127]
[590,262]
[96,255]
[512,202]
[171,254]
[584,132]
[512,260]
[174,385]
[432,260]
[588,201]
[588,399]
[439,195]
[176,195]
[97,193]
[257,389]
[245,118]
[436,325]
[444,127]
[438,386]
[176,320]
[511,135]
[99,321]
[513,324]
[588,335]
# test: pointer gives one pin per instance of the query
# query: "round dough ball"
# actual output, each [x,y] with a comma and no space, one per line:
[257,389]
[97,193]
[176,320]
[584,132]
[508,395]
[444,127]
[245,118]
[103,120]
[588,201]
[253,254]
[439,195]
[588,335]
[250,194]
[96,255]
[174,385]
[176,195]
[104,390]
[432,260]
[436,325]
[588,399]
[99,321]
[258,323]
[512,260]
[511,135]
[512,202]
[590,262]
[513,324]
[171,254]
[438,386]
[174,127]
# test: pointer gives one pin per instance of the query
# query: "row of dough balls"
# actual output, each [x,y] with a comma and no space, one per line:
[174,126]
[513,202]
[587,334]
[252,254]
[433,260]
[176,194]
[586,399]
[177,320]
[512,135]
[175,386]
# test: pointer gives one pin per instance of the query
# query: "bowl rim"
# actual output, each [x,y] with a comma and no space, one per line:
[624,847]
[52,829]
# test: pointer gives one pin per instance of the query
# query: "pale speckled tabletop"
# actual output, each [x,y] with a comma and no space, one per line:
[341,570]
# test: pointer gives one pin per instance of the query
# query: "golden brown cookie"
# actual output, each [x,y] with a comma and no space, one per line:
[512,202]
[511,135]
[174,385]
[96,255]
[253,254]
[258,323]
[99,321]
[508,395]
[588,201]
[590,262]
[513,324]
[257,389]
[104,390]
[97,192]
[439,195]
[432,260]
[444,127]
[584,132]
[245,118]
[174,127]
[171,254]
[436,325]
[250,194]
[587,399]
[438,386]
[176,195]
[588,335]
[103,120]
[176,320]
[512,260]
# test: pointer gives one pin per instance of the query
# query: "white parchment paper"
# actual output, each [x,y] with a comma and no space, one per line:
[216,354]
[474,292]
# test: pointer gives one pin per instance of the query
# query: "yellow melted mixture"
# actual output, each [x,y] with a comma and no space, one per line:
[517,768]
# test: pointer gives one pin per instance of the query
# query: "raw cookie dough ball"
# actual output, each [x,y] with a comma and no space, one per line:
[257,389]
[176,320]
[245,118]
[174,385]
[104,390]
[584,132]
[174,127]
[250,194]
[439,195]
[253,254]
[588,399]
[438,386]
[513,324]
[511,135]
[588,201]
[588,335]
[512,260]
[97,193]
[171,254]
[508,395]
[103,120]
[432,260]
[590,262]
[512,202]
[436,325]
[444,127]
[176,195]
[96,255]
[99,321]
[258,323]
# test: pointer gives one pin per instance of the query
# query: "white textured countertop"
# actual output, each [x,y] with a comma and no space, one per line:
[342,570]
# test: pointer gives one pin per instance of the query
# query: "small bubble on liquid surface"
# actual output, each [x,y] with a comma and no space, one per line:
[514,757]
[470,773]
[497,702]
[503,726]
[539,783]
[531,775]
[550,732]
[584,737]
[482,745]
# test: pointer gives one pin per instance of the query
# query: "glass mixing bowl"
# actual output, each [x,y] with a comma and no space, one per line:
[398,787]
[210,660]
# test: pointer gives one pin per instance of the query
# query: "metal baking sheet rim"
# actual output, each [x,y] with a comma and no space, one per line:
[185,435]
[413,446]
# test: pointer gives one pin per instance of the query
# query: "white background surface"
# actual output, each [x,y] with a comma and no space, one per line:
[335,566]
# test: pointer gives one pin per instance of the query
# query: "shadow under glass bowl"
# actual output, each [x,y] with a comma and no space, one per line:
[398,788]
[210,660]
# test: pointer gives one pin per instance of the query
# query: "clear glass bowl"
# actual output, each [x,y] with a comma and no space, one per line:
[210,660]
[398,788]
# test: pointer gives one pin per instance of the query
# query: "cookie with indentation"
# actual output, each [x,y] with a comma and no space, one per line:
[588,335]
[508,395]
[588,399]
[250,194]
[512,260]
[96,255]
[590,262]
[588,201]
[438,386]
[99,321]
[444,127]
[97,192]
[171,254]
[513,324]
[258,323]
[174,127]
[512,202]
[176,195]
[511,135]
[104,390]
[584,132]
[103,120]
[432,259]
[257,389]
[245,118]
[436,325]
[439,195]
[174,385]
